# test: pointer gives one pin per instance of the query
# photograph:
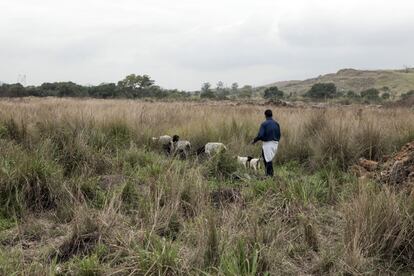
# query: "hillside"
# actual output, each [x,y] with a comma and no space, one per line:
[398,81]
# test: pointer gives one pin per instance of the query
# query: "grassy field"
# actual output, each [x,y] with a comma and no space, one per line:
[84,191]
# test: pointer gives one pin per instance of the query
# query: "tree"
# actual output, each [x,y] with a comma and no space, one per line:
[136,81]
[351,94]
[371,94]
[222,92]
[246,91]
[104,90]
[322,90]
[206,91]
[273,93]
[234,87]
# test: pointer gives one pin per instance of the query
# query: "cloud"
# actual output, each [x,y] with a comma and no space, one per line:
[182,44]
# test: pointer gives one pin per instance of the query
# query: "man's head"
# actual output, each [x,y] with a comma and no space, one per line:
[268,113]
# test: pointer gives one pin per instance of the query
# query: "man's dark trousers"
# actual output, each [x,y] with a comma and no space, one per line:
[268,166]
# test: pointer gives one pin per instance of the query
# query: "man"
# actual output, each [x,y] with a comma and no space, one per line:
[269,133]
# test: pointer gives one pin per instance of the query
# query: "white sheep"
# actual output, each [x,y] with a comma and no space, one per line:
[255,163]
[213,148]
[166,142]
[183,148]
[249,162]
[245,161]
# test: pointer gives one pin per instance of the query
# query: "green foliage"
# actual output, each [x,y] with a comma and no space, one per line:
[158,257]
[206,91]
[371,94]
[12,90]
[28,181]
[351,94]
[407,95]
[86,266]
[132,86]
[10,262]
[273,93]
[135,81]
[385,96]
[322,91]
[6,222]
[12,130]
[242,260]
[104,90]
[246,91]
[92,192]
[130,197]
[118,134]
[212,253]
[222,165]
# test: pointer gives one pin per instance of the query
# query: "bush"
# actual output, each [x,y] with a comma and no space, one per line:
[321,91]
[407,95]
[273,93]
[371,94]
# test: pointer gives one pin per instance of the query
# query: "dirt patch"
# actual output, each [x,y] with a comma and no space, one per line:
[395,170]
[399,169]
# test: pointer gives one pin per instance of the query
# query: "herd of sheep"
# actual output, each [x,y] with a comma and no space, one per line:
[176,147]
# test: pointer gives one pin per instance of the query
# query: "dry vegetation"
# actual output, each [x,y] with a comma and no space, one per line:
[84,192]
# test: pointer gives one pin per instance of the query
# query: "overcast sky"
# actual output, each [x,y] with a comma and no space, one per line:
[183,43]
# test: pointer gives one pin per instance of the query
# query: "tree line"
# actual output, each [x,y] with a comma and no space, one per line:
[132,86]
[142,86]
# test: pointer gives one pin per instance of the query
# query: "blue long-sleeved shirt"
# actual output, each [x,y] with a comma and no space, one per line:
[269,131]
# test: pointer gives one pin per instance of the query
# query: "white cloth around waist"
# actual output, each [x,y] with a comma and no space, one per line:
[269,150]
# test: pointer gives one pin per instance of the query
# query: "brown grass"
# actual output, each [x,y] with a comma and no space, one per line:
[121,207]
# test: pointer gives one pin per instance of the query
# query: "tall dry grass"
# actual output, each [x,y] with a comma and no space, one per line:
[83,191]
[336,134]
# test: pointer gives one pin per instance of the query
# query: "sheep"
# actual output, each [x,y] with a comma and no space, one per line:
[211,148]
[166,142]
[245,161]
[249,162]
[255,163]
[181,147]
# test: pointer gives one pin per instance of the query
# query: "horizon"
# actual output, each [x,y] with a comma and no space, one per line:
[214,83]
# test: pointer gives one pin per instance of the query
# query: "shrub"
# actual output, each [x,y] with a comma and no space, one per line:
[321,91]
[371,94]
[273,93]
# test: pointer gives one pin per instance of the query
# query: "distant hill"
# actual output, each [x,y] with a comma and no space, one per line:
[396,81]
